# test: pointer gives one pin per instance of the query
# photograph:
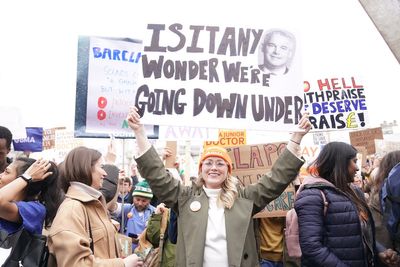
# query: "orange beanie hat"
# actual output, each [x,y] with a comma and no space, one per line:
[216,151]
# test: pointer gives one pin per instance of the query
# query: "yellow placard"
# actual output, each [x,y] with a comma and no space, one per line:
[229,138]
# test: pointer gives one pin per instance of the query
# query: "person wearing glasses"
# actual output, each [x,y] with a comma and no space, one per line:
[215,224]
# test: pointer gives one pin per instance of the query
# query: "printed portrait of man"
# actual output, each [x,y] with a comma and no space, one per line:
[277,50]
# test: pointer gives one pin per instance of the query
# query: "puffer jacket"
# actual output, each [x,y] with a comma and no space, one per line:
[334,239]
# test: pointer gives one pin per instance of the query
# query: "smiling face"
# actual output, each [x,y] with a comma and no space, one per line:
[353,168]
[214,171]
[98,174]
[278,51]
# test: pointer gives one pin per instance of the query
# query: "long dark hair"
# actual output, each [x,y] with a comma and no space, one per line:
[22,164]
[386,164]
[332,164]
[48,190]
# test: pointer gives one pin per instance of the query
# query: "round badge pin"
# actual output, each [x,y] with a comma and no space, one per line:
[195,206]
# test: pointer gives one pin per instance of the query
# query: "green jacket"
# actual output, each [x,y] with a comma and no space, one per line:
[153,235]
[192,226]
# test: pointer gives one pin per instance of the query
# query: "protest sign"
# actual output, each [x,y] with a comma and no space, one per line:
[310,152]
[108,72]
[33,141]
[337,103]
[212,78]
[279,206]
[186,133]
[65,142]
[320,138]
[366,138]
[250,162]
[227,138]
[124,245]
[49,137]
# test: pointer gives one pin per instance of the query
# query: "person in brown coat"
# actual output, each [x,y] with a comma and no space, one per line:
[82,233]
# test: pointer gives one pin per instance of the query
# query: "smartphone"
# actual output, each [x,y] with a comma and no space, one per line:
[132,235]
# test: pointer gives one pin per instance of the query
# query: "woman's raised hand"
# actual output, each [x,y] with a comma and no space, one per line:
[38,170]
[133,119]
[304,128]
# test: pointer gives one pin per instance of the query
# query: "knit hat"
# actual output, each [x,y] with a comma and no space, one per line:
[142,189]
[216,151]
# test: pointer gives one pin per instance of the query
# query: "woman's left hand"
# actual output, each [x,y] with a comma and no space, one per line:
[38,170]
[304,126]
[167,152]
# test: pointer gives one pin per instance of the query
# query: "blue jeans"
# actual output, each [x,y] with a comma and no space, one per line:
[267,263]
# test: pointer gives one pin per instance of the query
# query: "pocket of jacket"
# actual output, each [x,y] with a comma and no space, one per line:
[98,235]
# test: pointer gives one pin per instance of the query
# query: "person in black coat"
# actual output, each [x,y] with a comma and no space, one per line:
[345,235]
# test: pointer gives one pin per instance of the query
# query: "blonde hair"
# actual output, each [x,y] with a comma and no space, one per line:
[229,192]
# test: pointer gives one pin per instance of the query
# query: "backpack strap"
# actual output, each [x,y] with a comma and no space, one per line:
[320,186]
[163,227]
[325,202]
[164,222]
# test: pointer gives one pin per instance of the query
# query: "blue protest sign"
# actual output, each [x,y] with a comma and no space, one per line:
[33,141]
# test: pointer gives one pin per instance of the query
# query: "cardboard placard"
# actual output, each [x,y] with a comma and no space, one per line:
[251,162]
[49,137]
[124,245]
[366,138]
[279,206]
[228,138]
[170,161]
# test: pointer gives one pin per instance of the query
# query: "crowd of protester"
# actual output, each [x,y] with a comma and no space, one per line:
[82,204]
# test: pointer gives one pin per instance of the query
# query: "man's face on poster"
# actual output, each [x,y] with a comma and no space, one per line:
[278,50]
